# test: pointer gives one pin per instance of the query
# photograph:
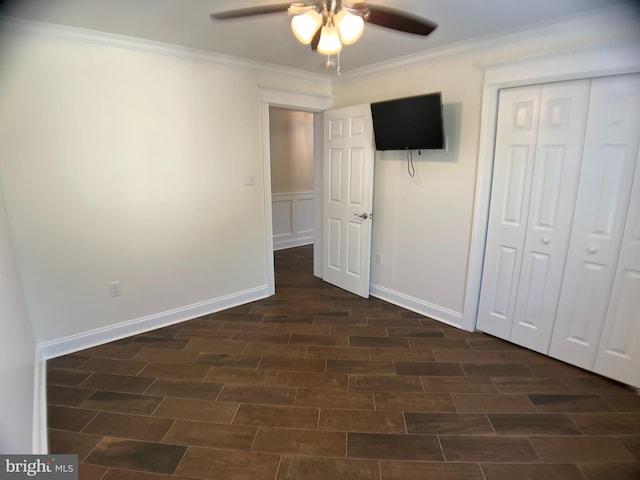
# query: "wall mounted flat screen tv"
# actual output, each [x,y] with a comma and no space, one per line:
[411,123]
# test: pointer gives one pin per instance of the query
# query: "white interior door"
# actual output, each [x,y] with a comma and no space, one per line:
[348,198]
[606,179]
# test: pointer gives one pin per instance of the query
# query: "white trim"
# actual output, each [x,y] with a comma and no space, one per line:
[427,309]
[279,98]
[296,242]
[292,243]
[318,212]
[299,101]
[610,59]
[266,190]
[93,37]
[40,444]
[80,341]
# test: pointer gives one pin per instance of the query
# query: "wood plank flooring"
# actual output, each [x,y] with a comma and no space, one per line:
[315,384]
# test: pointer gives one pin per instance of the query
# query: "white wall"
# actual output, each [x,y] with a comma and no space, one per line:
[291,150]
[126,166]
[422,225]
[17,352]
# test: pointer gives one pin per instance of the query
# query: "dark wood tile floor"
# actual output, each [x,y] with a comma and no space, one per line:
[317,384]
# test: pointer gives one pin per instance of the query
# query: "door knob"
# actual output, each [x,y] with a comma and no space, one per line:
[363,216]
[592,249]
[546,240]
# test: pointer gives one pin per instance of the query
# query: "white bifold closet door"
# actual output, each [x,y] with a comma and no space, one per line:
[535,179]
[619,349]
[562,262]
[602,207]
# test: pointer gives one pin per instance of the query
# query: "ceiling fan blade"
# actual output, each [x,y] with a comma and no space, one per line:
[316,40]
[250,12]
[397,20]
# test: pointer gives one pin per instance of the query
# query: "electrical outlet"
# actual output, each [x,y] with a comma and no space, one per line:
[114,289]
[249,180]
[378,258]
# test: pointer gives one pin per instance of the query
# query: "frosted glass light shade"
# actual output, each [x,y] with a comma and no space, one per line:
[350,27]
[305,26]
[329,41]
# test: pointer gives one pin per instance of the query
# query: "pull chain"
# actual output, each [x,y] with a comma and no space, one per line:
[329,63]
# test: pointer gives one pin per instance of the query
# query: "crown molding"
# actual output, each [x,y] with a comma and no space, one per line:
[93,37]
[617,16]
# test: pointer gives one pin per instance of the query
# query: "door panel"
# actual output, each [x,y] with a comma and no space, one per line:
[516,177]
[517,131]
[609,162]
[334,235]
[506,270]
[619,349]
[335,175]
[356,177]
[354,241]
[563,114]
[348,185]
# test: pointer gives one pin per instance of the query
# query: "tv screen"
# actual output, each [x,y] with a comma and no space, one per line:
[411,123]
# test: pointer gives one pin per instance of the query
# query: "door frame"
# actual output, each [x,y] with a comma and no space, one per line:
[611,59]
[304,102]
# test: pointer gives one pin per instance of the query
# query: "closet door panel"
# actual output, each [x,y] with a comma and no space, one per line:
[554,185]
[610,150]
[619,349]
[513,169]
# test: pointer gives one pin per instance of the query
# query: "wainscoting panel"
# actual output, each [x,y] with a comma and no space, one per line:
[293,223]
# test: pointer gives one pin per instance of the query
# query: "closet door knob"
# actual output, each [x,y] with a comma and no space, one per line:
[592,249]
[546,240]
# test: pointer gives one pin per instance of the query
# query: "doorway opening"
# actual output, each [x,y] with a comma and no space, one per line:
[303,106]
[292,193]
[291,152]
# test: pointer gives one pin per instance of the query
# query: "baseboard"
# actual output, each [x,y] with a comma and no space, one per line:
[80,341]
[294,242]
[427,309]
[40,444]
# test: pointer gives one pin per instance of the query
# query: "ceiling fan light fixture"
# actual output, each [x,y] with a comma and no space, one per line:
[305,26]
[329,41]
[327,25]
[350,26]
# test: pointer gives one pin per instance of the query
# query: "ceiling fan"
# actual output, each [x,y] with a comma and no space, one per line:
[327,25]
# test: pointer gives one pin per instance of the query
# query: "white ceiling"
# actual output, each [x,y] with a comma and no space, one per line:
[268,39]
